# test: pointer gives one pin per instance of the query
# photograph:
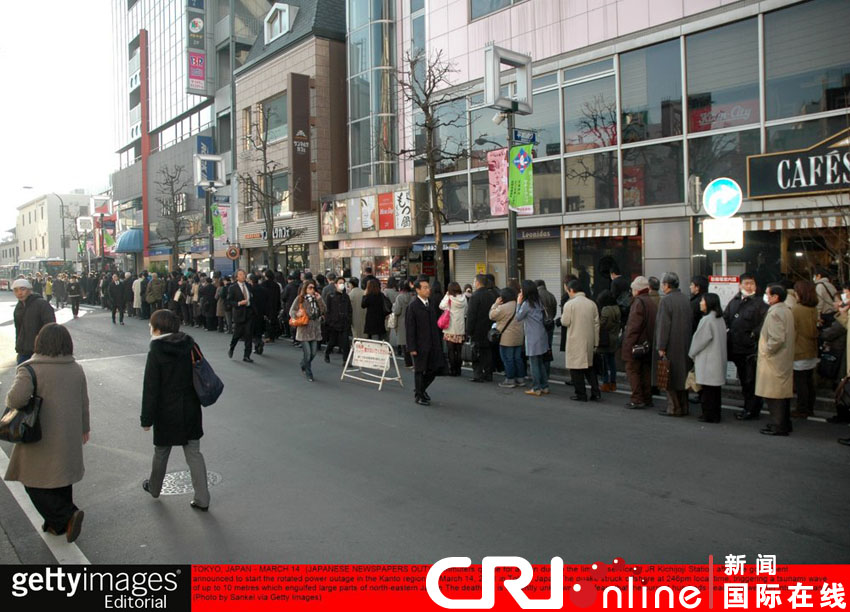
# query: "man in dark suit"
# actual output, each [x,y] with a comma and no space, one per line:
[117,295]
[260,302]
[239,296]
[424,341]
[478,324]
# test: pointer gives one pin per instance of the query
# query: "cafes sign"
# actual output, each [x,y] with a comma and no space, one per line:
[822,168]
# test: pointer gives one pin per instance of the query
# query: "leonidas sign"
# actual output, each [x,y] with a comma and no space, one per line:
[822,168]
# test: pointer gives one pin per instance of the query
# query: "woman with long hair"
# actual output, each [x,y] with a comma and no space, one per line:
[708,352]
[455,302]
[310,302]
[805,347]
[376,312]
[530,312]
[503,315]
[49,468]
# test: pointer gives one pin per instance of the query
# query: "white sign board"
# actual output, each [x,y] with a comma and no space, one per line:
[723,234]
[371,355]
[724,286]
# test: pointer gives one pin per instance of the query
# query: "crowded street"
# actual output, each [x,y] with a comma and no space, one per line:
[334,471]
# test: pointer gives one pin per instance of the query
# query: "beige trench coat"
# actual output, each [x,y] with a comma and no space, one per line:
[581,320]
[57,459]
[775,370]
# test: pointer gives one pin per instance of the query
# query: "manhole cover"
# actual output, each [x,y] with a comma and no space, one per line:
[180,483]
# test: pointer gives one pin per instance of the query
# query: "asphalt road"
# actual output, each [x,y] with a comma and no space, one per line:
[336,471]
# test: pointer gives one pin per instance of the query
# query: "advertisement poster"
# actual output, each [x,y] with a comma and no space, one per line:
[341,217]
[355,209]
[328,224]
[402,209]
[521,180]
[368,213]
[497,165]
[386,211]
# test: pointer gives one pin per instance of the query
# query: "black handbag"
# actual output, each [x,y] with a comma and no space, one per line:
[642,350]
[494,335]
[22,425]
[469,351]
[207,384]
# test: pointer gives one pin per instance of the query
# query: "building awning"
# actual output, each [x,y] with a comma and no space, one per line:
[801,219]
[130,241]
[451,242]
[602,230]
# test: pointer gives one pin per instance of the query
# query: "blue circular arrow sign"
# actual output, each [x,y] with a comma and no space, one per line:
[722,198]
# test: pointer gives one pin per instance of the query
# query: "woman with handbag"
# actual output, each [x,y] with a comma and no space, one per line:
[453,305]
[49,467]
[530,313]
[305,316]
[171,406]
[507,332]
[708,352]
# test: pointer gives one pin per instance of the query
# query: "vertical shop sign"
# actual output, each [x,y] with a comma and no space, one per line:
[196,48]
[402,209]
[298,108]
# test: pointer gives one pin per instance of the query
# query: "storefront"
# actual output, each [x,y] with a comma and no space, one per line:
[374,228]
[540,254]
[295,241]
[592,250]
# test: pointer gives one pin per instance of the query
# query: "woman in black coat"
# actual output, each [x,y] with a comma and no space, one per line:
[373,302]
[171,406]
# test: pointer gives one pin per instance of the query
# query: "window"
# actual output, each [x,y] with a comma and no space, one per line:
[453,198]
[592,181]
[723,77]
[278,21]
[807,58]
[274,112]
[546,121]
[42,213]
[358,13]
[653,175]
[711,157]
[802,135]
[480,195]
[450,135]
[361,145]
[247,129]
[359,92]
[590,115]
[280,192]
[358,51]
[479,8]
[651,92]
[547,187]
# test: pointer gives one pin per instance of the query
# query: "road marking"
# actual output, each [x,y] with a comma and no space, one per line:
[112,357]
[63,551]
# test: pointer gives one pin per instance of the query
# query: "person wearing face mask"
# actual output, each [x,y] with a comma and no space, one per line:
[338,320]
[744,315]
[775,372]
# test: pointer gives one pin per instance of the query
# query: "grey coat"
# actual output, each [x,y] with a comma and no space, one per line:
[57,459]
[673,334]
[400,311]
[358,314]
[313,330]
[536,338]
[708,351]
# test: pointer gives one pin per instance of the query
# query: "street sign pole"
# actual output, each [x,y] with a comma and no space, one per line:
[513,268]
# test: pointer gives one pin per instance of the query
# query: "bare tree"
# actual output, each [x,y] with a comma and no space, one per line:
[177,221]
[424,83]
[72,231]
[261,193]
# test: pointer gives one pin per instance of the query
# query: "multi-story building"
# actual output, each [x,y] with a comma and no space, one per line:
[633,101]
[291,121]
[9,249]
[174,62]
[39,228]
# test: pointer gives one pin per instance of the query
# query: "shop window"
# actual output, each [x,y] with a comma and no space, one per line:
[592,181]
[547,121]
[453,198]
[712,157]
[590,115]
[547,187]
[651,92]
[723,77]
[591,260]
[807,58]
[761,256]
[653,175]
[802,135]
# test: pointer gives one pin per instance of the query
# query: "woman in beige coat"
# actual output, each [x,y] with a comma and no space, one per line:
[503,313]
[775,369]
[48,468]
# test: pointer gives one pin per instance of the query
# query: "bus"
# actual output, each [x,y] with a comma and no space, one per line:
[8,274]
[43,266]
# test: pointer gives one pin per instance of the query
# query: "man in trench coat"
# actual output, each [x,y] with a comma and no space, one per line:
[580,318]
[775,369]
[673,329]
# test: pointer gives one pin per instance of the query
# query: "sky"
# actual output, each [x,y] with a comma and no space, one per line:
[56,106]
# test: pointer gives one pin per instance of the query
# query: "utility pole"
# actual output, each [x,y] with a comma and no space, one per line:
[513,265]
[209,190]
[62,219]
